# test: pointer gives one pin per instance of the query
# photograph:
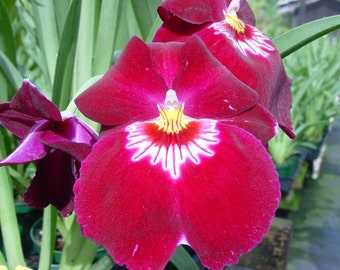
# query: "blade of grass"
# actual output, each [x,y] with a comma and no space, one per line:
[62,87]
[106,35]
[60,9]
[296,38]
[84,50]
[10,71]
[7,46]
[182,260]
[47,34]
[145,13]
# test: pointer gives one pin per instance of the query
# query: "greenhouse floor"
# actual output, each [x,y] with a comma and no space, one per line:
[315,244]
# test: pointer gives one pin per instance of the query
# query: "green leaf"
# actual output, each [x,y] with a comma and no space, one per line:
[62,87]
[106,35]
[298,37]
[182,260]
[85,44]
[10,71]
[47,33]
[7,44]
[145,13]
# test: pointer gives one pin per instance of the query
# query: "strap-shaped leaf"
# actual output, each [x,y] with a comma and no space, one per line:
[182,260]
[296,38]
[62,87]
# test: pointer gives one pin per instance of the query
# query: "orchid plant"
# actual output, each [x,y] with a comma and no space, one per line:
[182,114]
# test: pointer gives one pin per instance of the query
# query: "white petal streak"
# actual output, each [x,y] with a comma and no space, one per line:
[258,44]
[172,155]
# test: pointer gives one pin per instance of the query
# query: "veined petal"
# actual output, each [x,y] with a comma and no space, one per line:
[161,190]
[30,148]
[53,182]
[30,101]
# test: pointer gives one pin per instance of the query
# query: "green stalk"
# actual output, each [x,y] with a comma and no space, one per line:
[78,252]
[9,222]
[48,238]
[103,263]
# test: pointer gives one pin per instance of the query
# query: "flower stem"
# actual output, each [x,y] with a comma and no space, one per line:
[48,237]
[9,222]
[78,252]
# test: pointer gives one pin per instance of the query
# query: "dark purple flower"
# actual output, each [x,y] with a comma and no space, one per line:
[56,140]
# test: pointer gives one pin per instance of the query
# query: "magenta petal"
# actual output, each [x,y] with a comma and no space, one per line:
[79,151]
[16,122]
[53,183]
[128,208]
[175,29]
[253,59]
[30,101]
[258,121]
[228,202]
[207,87]
[30,148]
[71,136]
[202,11]
[221,204]
[129,90]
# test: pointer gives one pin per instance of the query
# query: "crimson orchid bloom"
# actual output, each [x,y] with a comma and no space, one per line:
[183,161]
[54,139]
[244,50]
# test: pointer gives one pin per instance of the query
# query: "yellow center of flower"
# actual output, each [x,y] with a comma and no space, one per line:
[232,19]
[171,118]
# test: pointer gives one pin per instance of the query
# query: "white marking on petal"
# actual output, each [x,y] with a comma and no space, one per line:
[257,44]
[172,155]
[135,250]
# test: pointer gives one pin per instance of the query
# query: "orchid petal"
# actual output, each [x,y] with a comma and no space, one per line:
[128,91]
[53,183]
[202,11]
[261,66]
[198,78]
[137,228]
[79,151]
[203,80]
[16,122]
[30,101]
[228,202]
[258,121]
[212,205]
[30,148]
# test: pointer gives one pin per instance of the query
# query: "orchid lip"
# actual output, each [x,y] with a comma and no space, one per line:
[173,139]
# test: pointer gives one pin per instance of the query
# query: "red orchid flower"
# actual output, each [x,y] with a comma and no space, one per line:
[244,50]
[55,140]
[181,163]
